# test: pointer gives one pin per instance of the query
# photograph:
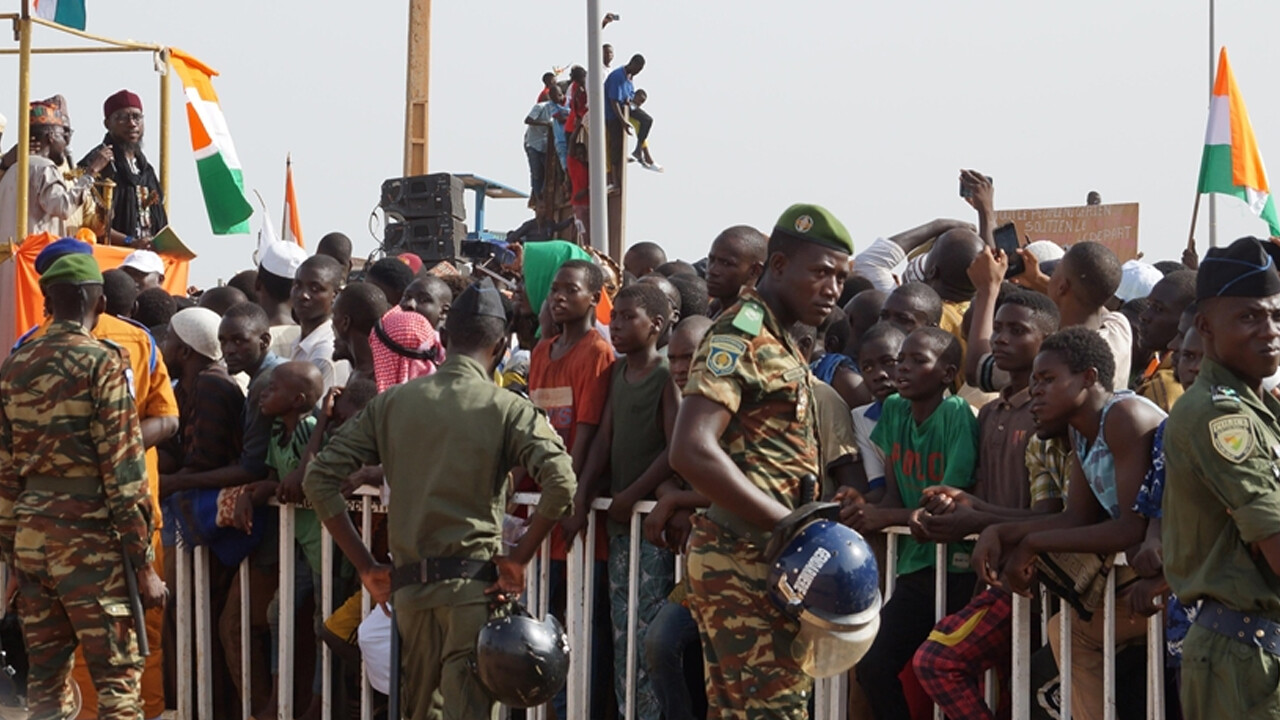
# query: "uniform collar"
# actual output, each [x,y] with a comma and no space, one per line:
[463,365]
[1217,378]
[67,326]
[771,322]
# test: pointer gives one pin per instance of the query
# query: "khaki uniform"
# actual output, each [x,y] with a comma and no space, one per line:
[446,443]
[748,364]
[73,488]
[1223,493]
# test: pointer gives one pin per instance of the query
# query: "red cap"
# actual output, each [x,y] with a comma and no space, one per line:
[413,261]
[119,101]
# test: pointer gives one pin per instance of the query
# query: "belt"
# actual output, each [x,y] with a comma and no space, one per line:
[1253,630]
[433,570]
[70,485]
[738,527]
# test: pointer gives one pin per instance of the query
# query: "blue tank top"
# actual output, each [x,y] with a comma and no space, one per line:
[824,368]
[1097,461]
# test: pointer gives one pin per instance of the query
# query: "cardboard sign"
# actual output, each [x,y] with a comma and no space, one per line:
[1115,226]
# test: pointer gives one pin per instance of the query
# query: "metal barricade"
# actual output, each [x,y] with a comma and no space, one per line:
[831,694]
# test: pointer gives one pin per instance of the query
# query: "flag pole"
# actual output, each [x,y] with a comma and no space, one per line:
[284,220]
[1195,214]
[1213,198]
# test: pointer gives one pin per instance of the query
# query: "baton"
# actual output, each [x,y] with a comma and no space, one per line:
[393,700]
[135,606]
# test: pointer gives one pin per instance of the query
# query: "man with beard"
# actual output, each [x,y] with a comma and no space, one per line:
[137,208]
[51,198]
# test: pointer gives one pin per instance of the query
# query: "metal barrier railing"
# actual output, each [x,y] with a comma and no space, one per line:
[831,694]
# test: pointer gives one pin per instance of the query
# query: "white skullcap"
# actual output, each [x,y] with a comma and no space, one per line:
[282,258]
[1137,279]
[198,328]
[1045,250]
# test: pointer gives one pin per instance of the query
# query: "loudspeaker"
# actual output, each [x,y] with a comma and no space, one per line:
[423,196]
[429,238]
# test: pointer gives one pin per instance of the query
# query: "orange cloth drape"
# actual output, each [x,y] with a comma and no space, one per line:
[29,301]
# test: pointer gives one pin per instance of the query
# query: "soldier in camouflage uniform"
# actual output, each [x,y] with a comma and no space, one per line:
[745,435]
[73,497]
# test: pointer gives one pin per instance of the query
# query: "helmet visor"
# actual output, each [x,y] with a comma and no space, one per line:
[823,653]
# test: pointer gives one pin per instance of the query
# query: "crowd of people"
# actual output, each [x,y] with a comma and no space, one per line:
[920,382]
[555,141]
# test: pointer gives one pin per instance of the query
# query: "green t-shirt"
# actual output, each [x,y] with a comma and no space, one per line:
[941,451]
[284,459]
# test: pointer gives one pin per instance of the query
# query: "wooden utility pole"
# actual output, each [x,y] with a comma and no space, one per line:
[417,82]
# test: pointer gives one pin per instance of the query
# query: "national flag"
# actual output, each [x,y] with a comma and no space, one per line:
[63,12]
[1232,163]
[292,227]
[216,163]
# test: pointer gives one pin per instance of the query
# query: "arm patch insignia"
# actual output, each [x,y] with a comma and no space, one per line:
[724,353]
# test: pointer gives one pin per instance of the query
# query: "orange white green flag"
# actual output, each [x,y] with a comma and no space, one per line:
[292,226]
[221,180]
[1232,163]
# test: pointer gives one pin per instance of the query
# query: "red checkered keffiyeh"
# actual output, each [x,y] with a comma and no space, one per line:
[405,346]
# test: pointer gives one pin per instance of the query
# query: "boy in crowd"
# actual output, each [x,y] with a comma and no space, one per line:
[315,288]
[569,379]
[289,399]
[734,262]
[1167,301]
[962,646]
[673,650]
[430,297]
[643,258]
[537,137]
[911,306]
[273,291]
[1111,434]
[357,310]
[878,356]
[632,441]
[927,439]
[391,275]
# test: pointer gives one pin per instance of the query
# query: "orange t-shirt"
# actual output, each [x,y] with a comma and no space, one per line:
[573,390]
[152,391]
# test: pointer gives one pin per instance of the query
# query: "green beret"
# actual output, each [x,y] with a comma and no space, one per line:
[73,269]
[815,224]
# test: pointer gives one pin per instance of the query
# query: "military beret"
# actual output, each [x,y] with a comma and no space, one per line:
[72,269]
[59,248]
[815,224]
[481,299]
[1242,269]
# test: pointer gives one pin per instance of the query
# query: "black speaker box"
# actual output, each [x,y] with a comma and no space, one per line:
[428,238]
[423,196]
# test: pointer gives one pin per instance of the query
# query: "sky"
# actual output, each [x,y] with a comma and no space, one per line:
[869,109]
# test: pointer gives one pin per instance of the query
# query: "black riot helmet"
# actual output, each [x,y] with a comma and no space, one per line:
[523,662]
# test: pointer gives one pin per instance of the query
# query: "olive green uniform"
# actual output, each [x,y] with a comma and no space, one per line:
[446,443]
[1223,493]
[748,364]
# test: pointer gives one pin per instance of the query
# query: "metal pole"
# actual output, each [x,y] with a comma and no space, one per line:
[24,122]
[597,162]
[164,130]
[1213,197]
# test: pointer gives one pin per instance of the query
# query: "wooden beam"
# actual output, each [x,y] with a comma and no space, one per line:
[417,83]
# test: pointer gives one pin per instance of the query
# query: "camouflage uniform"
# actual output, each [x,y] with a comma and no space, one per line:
[748,364]
[73,494]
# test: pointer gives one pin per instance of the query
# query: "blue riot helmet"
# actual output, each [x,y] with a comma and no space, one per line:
[826,577]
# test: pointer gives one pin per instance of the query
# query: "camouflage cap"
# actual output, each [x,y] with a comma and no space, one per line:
[815,224]
[72,269]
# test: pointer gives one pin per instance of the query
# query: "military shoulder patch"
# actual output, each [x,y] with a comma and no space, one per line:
[750,318]
[724,353]
[1224,394]
[1232,437]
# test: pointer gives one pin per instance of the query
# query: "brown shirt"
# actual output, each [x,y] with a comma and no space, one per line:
[1005,427]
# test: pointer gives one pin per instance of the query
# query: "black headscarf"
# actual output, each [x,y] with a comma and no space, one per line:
[126,210]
